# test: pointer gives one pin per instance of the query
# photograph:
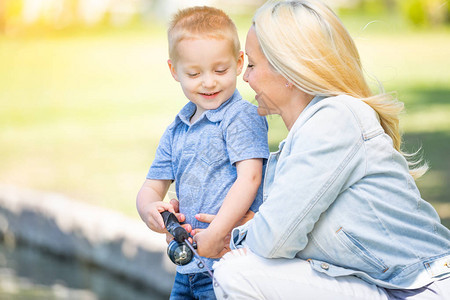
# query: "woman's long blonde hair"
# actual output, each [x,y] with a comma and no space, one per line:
[308,44]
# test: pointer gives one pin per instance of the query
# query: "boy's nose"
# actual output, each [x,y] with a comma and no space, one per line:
[208,81]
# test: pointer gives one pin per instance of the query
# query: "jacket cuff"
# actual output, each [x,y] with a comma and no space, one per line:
[238,235]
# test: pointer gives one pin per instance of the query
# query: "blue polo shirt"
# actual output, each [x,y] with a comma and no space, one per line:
[201,157]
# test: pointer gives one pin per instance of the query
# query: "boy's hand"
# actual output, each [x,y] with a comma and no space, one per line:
[211,244]
[154,219]
[220,245]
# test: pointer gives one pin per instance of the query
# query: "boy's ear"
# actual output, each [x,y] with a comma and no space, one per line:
[240,63]
[172,70]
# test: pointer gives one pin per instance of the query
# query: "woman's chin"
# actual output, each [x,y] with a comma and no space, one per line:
[263,111]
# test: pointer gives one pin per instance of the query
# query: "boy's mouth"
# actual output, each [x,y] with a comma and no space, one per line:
[210,95]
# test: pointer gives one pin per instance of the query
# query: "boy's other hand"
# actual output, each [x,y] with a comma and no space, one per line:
[210,244]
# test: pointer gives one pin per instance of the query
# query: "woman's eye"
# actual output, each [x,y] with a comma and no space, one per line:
[250,66]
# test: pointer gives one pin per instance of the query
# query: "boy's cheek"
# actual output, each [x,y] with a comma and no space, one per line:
[186,84]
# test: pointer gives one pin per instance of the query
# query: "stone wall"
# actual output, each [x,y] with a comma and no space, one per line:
[88,233]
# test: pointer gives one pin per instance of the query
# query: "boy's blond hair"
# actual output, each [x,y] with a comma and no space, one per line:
[201,22]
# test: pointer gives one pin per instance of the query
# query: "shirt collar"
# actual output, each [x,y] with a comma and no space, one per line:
[186,113]
[214,115]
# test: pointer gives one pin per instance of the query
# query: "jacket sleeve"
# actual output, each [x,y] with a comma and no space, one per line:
[326,147]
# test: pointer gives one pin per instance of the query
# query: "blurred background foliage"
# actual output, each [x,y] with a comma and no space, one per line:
[17,16]
[85,93]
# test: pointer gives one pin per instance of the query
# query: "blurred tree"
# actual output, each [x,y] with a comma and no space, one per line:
[426,12]
[2,17]
[10,16]
[372,7]
[390,5]
[18,15]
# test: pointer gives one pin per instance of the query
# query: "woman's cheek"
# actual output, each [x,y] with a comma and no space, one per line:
[251,82]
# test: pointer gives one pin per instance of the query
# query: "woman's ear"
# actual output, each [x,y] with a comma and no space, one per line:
[240,63]
[172,70]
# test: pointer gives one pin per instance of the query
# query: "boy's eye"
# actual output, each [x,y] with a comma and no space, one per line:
[192,74]
[221,71]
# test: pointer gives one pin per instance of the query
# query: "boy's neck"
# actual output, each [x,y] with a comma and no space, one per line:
[196,115]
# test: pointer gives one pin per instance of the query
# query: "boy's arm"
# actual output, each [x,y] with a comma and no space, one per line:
[237,202]
[149,203]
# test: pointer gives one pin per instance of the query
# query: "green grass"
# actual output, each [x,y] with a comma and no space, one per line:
[82,114]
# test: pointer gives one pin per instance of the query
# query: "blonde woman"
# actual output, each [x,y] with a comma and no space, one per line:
[342,217]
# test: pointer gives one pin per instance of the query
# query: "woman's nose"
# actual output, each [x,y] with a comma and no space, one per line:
[245,77]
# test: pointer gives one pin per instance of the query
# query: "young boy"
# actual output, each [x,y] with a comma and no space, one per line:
[214,150]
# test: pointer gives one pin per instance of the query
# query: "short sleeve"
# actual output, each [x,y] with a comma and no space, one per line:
[161,167]
[246,133]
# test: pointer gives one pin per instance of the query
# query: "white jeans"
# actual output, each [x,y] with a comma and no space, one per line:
[248,276]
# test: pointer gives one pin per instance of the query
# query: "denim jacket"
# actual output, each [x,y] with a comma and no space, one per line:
[340,196]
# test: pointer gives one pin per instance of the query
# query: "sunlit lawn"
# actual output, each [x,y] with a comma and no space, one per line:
[82,115]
